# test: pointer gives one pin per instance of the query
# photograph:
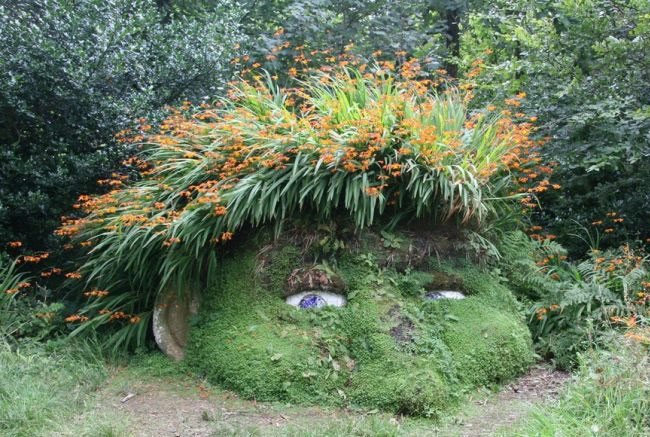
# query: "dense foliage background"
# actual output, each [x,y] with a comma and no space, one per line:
[74,74]
[584,66]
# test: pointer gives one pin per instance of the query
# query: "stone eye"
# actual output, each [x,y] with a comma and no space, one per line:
[316,299]
[444,294]
[312,301]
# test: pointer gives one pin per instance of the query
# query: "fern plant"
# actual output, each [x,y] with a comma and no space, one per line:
[584,301]
[346,143]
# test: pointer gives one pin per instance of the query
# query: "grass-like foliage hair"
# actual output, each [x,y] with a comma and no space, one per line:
[345,143]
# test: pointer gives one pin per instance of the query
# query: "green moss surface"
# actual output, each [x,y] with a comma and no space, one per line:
[389,348]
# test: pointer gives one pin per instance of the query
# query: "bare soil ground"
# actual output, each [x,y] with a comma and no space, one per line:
[484,417]
[185,407]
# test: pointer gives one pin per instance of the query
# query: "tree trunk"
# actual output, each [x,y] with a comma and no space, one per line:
[165,7]
[452,40]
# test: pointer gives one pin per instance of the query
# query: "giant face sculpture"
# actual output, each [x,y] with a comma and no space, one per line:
[406,338]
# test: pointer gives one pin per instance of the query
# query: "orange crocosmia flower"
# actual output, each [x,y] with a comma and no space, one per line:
[76,318]
[96,293]
[372,191]
[405,151]
[171,241]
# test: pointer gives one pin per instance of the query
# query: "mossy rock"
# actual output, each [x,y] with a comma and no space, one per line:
[389,348]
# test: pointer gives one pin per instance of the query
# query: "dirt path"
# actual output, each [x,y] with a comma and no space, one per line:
[169,407]
[484,417]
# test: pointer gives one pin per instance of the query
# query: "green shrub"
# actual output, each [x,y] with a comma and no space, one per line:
[21,313]
[585,301]
[591,103]
[573,304]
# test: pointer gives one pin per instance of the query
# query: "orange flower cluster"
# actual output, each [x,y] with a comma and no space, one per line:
[238,154]
[622,264]
[613,221]
[629,322]
[551,258]
[33,258]
[170,241]
[639,335]
[52,271]
[120,315]
[76,318]
[543,311]
[96,293]
[20,286]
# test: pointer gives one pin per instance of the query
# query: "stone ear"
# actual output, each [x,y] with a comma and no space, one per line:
[170,322]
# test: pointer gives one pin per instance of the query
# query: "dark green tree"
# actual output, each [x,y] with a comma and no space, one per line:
[73,74]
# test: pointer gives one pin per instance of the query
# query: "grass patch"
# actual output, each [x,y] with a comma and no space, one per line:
[609,397]
[42,388]
[371,426]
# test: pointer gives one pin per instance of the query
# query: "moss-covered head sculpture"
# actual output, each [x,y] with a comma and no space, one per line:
[363,147]
[397,344]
